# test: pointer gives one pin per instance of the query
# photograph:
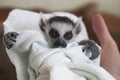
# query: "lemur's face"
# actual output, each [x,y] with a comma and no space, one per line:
[59,30]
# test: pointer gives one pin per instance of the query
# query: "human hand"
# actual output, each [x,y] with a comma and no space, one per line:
[110,56]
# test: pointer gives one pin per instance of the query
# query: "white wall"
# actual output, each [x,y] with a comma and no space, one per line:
[111,6]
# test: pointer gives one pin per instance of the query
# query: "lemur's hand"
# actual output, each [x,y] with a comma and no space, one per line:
[90,45]
[10,39]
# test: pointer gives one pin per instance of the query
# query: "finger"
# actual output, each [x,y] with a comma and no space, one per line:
[101,29]
[109,48]
[109,52]
[103,34]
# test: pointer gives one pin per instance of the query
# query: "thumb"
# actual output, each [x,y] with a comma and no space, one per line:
[109,52]
[107,43]
[101,29]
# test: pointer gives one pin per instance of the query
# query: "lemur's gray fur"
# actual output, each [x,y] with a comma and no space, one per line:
[58,31]
[90,45]
[10,39]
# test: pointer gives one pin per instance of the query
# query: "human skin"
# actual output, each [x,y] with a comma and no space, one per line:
[110,56]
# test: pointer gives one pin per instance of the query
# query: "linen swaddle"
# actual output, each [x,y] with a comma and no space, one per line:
[34,60]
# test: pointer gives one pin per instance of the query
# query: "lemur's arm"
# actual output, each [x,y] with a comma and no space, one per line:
[10,39]
[22,41]
[91,45]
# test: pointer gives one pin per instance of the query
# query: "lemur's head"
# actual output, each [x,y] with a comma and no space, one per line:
[59,30]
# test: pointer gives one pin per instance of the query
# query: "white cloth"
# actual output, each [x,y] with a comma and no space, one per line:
[34,60]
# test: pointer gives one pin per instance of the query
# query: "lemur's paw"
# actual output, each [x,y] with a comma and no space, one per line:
[91,45]
[10,39]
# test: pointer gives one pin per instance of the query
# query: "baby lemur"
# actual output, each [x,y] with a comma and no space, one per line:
[58,31]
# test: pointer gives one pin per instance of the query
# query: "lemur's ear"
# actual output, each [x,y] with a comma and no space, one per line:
[78,25]
[43,22]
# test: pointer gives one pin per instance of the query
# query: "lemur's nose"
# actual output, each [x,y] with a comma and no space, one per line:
[60,43]
[63,43]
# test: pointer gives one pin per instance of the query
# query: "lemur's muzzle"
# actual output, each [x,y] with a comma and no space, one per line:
[60,43]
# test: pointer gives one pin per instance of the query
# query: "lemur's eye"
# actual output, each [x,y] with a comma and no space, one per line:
[68,35]
[53,34]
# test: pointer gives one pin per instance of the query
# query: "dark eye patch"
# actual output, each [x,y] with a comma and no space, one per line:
[68,35]
[54,33]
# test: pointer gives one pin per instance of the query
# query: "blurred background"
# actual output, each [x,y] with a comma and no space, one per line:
[110,6]
[110,10]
